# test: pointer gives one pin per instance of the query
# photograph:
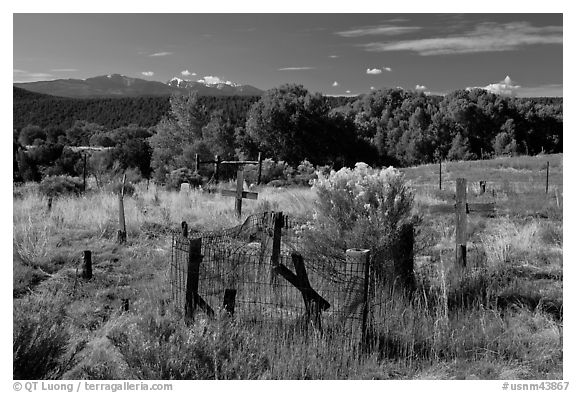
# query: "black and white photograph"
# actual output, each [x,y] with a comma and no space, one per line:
[286,196]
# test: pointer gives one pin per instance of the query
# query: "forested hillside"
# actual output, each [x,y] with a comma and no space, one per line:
[159,136]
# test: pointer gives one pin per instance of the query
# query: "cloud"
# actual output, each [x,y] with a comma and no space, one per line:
[211,80]
[378,30]
[335,84]
[148,73]
[159,54]
[549,90]
[64,70]
[295,68]
[188,73]
[214,80]
[486,37]
[374,71]
[372,88]
[333,56]
[505,87]
[26,76]
[420,87]
[38,75]
[387,69]
[348,92]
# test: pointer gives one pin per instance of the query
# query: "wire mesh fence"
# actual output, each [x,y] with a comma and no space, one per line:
[260,271]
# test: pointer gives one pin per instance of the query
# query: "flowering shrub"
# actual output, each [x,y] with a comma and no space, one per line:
[361,207]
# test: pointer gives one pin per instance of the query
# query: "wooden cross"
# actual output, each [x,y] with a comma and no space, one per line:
[239,193]
[462,208]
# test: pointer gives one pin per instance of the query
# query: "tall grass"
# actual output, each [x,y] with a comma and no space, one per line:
[496,321]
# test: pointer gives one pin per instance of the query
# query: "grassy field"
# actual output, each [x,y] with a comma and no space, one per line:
[503,320]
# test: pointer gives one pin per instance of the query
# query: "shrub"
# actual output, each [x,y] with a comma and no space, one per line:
[183,175]
[53,186]
[40,338]
[362,208]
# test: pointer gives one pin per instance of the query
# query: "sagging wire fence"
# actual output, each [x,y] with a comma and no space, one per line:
[262,271]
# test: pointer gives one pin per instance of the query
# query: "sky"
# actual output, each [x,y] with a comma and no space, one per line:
[334,54]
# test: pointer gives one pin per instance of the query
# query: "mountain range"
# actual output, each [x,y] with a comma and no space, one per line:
[116,85]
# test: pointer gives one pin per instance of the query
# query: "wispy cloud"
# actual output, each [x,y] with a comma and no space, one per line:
[348,92]
[159,54]
[371,87]
[64,70]
[188,73]
[373,71]
[333,56]
[296,68]
[388,69]
[486,37]
[549,90]
[39,75]
[148,73]
[420,87]
[378,30]
[26,76]
[335,84]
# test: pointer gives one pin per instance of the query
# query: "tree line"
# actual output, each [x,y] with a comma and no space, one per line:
[290,124]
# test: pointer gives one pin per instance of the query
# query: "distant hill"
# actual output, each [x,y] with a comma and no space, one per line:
[45,110]
[117,85]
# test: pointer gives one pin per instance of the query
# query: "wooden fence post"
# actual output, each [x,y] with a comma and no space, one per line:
[216,167]
[482,186]
[197,163]
[192,276]
[239,189]
[547,171]
[121,220]
[229,301]
[313,309]
[184,229]
[49,204]
[276,242]
[440,177]
[84,175]
[461,221]
[125,305]
[87,265]
[357,288]
[403,257]
[259,168]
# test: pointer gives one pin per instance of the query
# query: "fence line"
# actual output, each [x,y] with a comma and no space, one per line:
[259,273]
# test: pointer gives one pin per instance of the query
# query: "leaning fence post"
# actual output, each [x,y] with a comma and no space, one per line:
[313,310]
[87,265]
[192,276]
[461,222]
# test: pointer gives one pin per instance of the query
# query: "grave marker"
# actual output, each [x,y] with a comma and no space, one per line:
[239,193]
[461,208]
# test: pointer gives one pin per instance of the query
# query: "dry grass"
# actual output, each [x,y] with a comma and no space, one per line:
[498,321]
